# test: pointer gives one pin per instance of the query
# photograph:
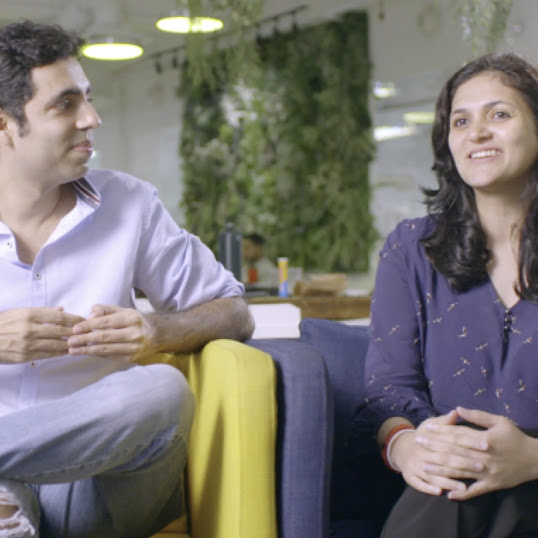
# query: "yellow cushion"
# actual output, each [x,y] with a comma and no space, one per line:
[231,460]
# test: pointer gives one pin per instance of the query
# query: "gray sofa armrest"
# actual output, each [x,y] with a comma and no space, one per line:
[305,438]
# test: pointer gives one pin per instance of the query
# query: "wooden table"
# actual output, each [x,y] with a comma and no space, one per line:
[335,307]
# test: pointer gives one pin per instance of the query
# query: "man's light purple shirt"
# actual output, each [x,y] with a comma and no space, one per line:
[117,237]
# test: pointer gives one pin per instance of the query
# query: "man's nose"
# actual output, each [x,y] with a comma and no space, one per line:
[89,119]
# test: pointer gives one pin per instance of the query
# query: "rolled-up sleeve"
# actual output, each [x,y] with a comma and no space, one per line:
[394,375]
[174,268]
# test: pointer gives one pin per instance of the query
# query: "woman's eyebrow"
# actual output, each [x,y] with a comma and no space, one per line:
[491,104]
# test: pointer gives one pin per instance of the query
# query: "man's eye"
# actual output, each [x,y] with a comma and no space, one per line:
[65,104]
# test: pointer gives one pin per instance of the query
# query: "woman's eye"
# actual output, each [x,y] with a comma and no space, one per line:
[501,114]
[459,122]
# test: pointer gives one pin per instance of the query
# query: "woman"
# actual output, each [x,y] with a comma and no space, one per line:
[452,368]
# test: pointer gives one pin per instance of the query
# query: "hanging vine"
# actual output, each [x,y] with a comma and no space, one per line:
[483,23]
[240,17]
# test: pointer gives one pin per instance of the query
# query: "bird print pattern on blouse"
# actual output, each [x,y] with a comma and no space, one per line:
[432,348]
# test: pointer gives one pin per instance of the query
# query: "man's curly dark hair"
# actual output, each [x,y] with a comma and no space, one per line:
[24,46]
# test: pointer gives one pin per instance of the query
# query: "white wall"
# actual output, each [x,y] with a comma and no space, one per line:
[417,48]
[141,127]
[410,46]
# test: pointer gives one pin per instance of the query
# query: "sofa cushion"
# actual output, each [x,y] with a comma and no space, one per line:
[230,467]
[344,349]
[362,487]
[177,529]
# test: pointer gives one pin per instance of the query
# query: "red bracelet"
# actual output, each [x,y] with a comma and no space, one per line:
[387,442]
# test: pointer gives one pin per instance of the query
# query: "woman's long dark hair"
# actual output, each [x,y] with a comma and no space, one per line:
[458,246]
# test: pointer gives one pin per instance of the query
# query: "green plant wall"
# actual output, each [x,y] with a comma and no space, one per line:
[284,148]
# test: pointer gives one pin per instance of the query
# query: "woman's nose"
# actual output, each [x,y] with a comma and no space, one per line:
[479,131]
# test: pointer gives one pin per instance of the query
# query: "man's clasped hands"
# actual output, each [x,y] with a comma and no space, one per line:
[30,334]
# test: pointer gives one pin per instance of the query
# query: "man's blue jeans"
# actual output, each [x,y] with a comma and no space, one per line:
[104,462]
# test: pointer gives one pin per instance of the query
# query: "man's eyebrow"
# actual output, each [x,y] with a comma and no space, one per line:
[68,92]
[486,106]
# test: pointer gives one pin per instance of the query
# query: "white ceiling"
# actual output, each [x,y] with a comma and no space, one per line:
[138,17]
[400,49]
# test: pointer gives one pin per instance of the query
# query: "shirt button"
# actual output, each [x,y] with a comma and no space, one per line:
[9,244]
[37,276]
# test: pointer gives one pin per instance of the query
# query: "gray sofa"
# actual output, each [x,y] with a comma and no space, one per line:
[331,480]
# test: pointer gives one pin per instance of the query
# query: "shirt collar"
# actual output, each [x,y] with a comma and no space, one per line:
[87,191]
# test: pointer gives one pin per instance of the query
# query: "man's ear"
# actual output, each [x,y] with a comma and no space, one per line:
[5,128]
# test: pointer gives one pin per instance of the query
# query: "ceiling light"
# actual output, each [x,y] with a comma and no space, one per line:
[109,48]
[389,132]
[383,90]
[419,117]
[182,23]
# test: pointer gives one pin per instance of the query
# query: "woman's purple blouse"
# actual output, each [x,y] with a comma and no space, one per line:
[432,348]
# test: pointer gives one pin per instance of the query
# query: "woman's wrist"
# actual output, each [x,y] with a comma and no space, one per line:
[393,455]
[394,434]
[532,442]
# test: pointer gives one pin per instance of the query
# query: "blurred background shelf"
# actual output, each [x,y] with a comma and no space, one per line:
[335,307]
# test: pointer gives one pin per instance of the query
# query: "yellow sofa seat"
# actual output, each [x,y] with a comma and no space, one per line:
[231,459]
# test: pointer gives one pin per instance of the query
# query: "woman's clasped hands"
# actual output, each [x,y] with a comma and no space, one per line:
[465,461]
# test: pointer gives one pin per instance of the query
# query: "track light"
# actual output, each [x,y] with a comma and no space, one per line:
[110,48]
[276,30]
[180,22]
[294,25]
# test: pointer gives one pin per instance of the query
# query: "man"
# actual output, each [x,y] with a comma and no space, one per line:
[91,444]
[257,269]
